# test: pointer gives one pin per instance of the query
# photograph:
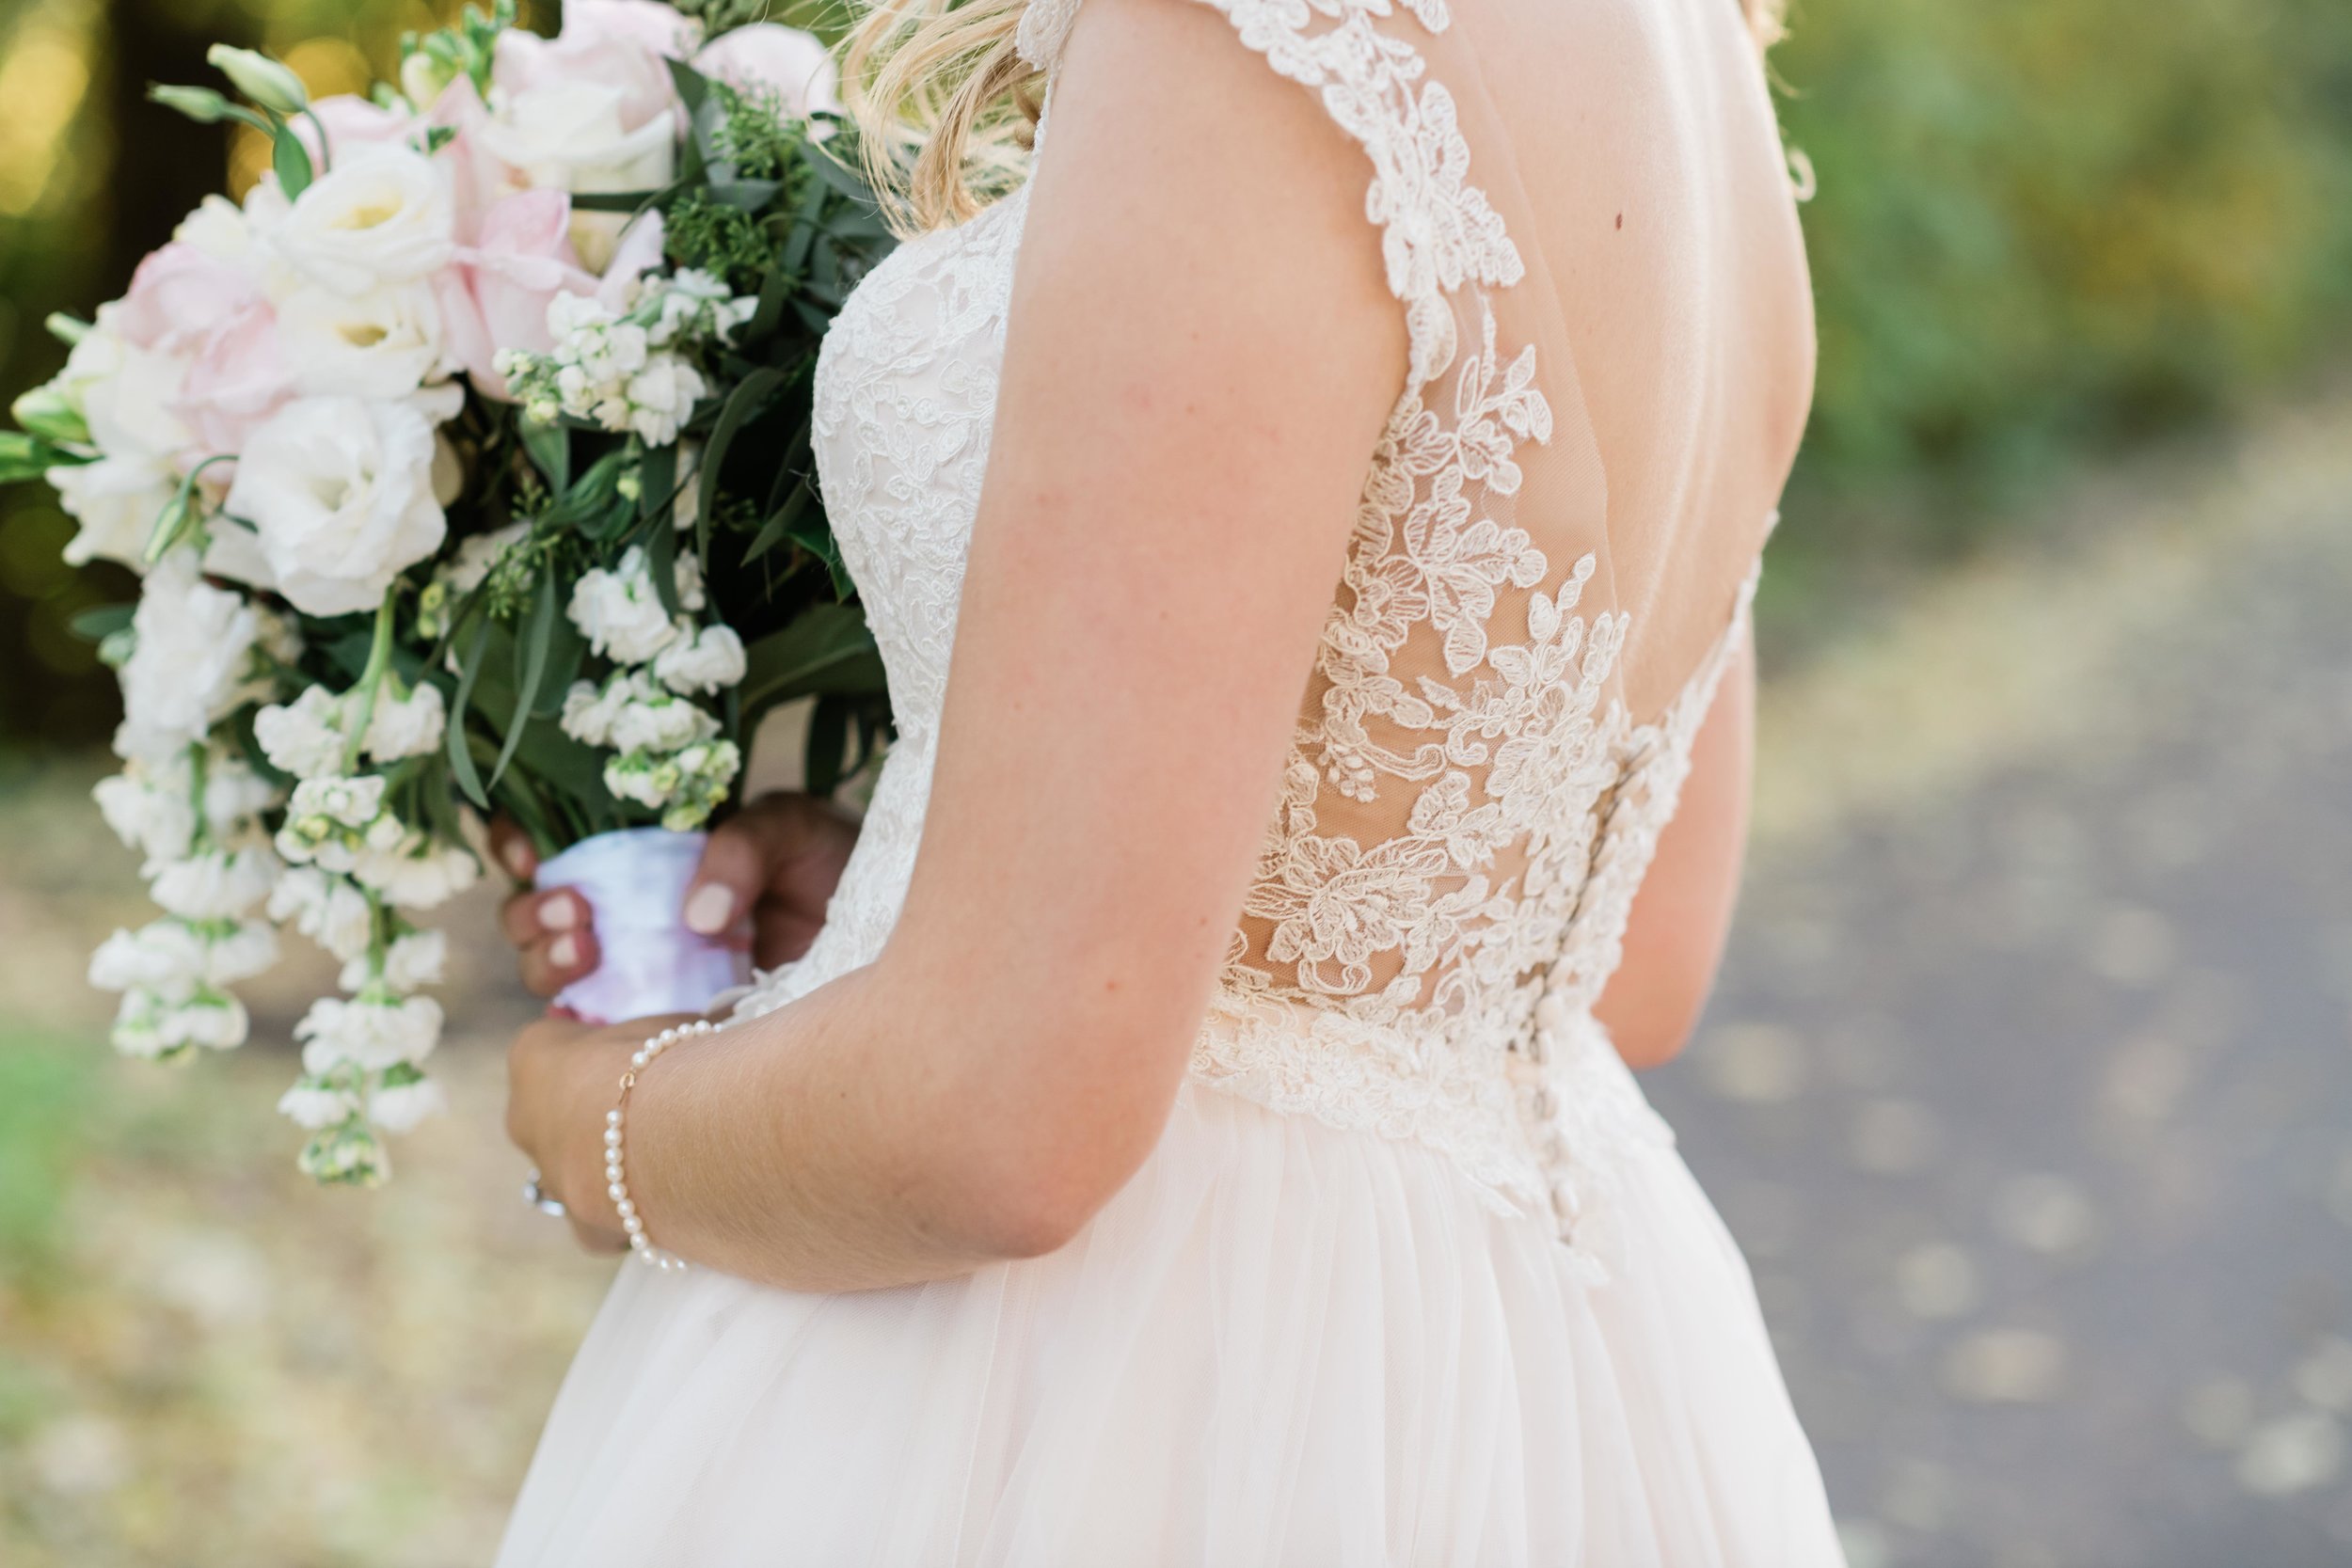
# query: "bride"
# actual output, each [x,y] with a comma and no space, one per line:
[1310,528]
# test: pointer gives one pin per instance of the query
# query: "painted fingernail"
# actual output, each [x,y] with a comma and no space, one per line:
[709,908]
[557,912]
[564,952]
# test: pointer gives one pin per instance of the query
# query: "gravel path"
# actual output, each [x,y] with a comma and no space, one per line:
[2029,1088]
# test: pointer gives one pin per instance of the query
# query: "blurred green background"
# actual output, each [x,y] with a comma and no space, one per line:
[2085,280]
[2046,231]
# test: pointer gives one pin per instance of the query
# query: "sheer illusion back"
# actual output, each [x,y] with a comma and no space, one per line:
[1585,221]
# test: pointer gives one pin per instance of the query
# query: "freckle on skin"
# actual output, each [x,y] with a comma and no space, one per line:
[1621,220]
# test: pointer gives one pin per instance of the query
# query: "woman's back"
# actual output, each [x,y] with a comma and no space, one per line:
[1384,1261]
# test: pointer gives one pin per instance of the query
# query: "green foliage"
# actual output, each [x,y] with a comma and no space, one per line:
[2045,227]
[724,241]
[754,133]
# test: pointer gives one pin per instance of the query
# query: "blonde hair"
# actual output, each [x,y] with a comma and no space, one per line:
[945,101]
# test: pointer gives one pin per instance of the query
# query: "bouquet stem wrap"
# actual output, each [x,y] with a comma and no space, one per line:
[635,884]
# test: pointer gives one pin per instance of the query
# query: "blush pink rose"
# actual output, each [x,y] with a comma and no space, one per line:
[180,296]
[616,44]
[795,65]
[479,178]
[352,122]
[237,382]
[497,295]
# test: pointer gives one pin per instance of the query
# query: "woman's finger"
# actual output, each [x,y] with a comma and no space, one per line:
[527,917]
[554,962]
[513,848]
[734,870]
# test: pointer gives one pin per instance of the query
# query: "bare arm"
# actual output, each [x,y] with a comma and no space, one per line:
[1675,942]
[1202,354]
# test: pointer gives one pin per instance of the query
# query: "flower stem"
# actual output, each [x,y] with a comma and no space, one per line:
[371,679]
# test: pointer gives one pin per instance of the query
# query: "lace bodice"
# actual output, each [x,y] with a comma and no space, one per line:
[1470,805]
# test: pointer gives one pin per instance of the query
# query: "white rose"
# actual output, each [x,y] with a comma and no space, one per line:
[409,726]
[221,884]
[190,660]
[341,491]
[370,1034]
[304,737]
[382,216]
[126,394]
[117,501]
[620,612]
[217,227]
[710,659]
[379,344]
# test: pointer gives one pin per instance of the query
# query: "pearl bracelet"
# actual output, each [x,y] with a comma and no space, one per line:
[617,1184]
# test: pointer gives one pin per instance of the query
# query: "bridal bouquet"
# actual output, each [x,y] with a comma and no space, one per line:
[464,464]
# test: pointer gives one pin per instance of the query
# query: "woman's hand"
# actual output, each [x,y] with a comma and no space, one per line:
[765,879]
[561,1078]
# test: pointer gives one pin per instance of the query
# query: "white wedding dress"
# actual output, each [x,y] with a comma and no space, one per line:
[1414,1275]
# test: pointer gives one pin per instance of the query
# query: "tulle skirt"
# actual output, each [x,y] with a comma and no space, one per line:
[1283,1344]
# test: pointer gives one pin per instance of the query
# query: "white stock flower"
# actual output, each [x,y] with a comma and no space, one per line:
[303,738]
[165,957]
[466,570]
[221,884]
[189,663]
[689,582]
[247,950]
[312,1103]
[368,1033]
[380,343]
[660,722]
[620,612]
[117,501]
[400,1108]
[589,710]
[149,1025]
[341,491]
[235,793]
[382,216]
[708,660]
[416,874]
[347,803]
[148,806]
[409,726]
[411,963]
[662,397]
[328,909]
